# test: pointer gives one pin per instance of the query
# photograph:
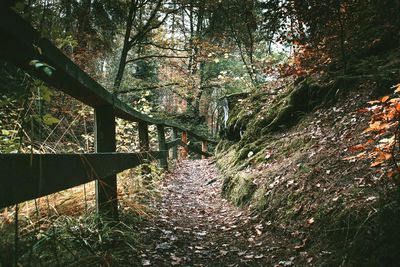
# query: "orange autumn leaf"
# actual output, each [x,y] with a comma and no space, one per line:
[390,114]
[384,99]
[394,100]
[397,88]
[358,156]
[376,126]
[382,131]
[383,156]
[363,110]
[377,163]
[357,147]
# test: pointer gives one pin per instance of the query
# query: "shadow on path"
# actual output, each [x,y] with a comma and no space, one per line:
[195,226]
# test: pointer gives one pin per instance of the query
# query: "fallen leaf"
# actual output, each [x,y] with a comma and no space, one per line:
[258,232]
[145,262]
[223,252]
[175,258]
[310,221]
[163,246]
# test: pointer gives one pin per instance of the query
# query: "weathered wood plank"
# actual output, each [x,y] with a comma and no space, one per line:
[106,186]
[144,144]
[204,149]
[25,176]
[162,146]
[192,133]
[184,151]
[175,147]
[174,143]
[198,151]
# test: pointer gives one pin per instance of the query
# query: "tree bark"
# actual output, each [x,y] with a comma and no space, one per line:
[126,45]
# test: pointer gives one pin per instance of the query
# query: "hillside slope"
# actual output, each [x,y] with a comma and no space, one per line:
[283,157]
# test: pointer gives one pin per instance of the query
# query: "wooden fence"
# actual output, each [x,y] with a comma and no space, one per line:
[28,176]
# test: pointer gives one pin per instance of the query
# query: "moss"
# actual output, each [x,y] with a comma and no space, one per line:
[239,188]
[226,160]
[295,145]
[244,152]
[259,201]
[293,202]
[289,107]
[260,156]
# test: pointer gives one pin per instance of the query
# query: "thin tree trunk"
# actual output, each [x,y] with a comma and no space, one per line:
[125,48]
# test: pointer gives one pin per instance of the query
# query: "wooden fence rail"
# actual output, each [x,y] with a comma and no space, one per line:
[28,176]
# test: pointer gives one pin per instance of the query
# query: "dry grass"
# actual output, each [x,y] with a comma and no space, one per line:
[64,228]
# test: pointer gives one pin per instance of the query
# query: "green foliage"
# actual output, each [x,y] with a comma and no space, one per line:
[67,43]
[228,73]
[46,68]
[45,93]
[9,113]
[48,119]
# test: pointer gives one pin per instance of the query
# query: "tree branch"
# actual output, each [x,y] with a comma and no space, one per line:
[147,88]
[165,47]
[153,56]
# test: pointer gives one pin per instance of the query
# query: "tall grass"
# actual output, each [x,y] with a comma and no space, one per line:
[64,230]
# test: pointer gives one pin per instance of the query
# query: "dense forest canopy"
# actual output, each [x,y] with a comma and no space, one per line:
[194,50]
[183,56]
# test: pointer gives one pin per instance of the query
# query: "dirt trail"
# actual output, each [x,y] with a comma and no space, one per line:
[195,226]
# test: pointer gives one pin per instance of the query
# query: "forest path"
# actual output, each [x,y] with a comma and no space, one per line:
[195,226]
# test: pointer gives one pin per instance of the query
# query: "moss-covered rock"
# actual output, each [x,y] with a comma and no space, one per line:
[239,188]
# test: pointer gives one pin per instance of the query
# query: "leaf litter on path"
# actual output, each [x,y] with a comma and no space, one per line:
[194,226]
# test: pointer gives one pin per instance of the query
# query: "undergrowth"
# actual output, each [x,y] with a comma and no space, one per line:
[64,229]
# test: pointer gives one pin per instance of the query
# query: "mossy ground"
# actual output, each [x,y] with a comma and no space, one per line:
[288,168]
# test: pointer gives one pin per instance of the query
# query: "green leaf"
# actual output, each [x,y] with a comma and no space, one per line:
[48,70]
[36,118]
[45,93]
[39,65]
[5,132]
[48,119]
[33,62]
[19,6]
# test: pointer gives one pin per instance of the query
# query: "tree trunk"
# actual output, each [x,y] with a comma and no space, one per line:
[68,18]
[126,47]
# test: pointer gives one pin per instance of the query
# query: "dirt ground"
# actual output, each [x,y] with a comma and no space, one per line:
[194,226]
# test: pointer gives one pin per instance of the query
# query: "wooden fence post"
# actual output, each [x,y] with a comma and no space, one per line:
[106,187]
[204,149]
[162,145]
[174,148]
[184,149]
[144,144]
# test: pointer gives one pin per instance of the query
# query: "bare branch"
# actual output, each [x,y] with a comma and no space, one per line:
[154,56]
[148,88]
[165,47]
